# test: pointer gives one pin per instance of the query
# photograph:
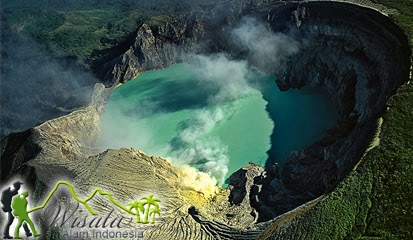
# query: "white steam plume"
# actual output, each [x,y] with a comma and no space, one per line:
[265,48]
[195,148]
[230,75]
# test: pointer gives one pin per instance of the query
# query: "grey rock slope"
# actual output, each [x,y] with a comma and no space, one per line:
[64,149]
[155,47]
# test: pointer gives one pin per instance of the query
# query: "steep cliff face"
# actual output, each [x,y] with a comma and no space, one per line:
[159,44]
[349,51]
[155,47]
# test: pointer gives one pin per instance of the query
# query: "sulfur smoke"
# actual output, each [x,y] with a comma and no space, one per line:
[35,87]
[203,157]
[265,49]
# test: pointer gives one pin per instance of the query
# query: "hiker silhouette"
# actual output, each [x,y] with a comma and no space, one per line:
[19,206]
[6,199]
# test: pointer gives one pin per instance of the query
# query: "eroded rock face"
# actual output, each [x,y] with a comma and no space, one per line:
[349,52]
[155,47]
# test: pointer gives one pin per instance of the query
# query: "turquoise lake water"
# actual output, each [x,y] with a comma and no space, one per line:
[176,114]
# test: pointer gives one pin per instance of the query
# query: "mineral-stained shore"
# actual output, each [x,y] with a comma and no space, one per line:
[332,189]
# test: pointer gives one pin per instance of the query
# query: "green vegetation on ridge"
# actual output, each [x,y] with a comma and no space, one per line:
[405,16]
[75,33]
[82,29]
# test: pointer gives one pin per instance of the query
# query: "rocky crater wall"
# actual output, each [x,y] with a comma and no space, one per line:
[357,54]
[361,58]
